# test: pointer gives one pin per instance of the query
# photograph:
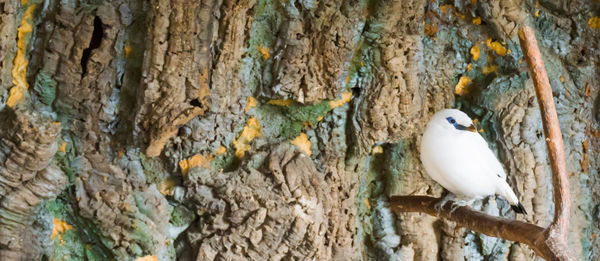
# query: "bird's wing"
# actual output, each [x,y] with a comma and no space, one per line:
[487,157]
[460,164]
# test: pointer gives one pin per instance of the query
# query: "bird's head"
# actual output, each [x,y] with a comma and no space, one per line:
[453,119]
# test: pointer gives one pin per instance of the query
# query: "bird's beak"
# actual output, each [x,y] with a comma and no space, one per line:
[472,128]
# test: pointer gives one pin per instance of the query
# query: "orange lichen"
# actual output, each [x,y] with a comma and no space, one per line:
[320,118]
[303,143]
[469,67]
[431,29]
[475,52]
[63,147]
[264,51]
[489,69]
[496,46]
[588,90]
[537,13]
[461,86]
[127,50]
[19,71]
[286,102]
[59,228]
[120,153]
[249,133]
[445,8]
[594,22]
[477,20]
[147,258]
[221,150]
[473,1]
[584,162]
[377,150]
[346,96]
[250,103]
[367,204]
[193,162]
[562,79]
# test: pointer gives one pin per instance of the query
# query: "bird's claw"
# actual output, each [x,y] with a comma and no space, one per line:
[438,206]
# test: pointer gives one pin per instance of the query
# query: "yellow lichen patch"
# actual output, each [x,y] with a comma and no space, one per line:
[445,8]
[475,52]
[431,29]
[496,46]
[303,143]
[562,79]
[469,67]
[477,20]
[320,118]
[127,50]
[120,153]
[165,186]
[264,51]
[473,1]
[250,103]
[347,79]
[537,13]
[377,150]
[367,204]
[147,258]
[59,227]
[286,102]
[19,71]
[346,96]
[221,150]
[193,162]
[594,22]
[461,86]
[489,69]
[63,147]
[250,131]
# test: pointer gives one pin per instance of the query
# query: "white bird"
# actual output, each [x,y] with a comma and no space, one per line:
[459,159]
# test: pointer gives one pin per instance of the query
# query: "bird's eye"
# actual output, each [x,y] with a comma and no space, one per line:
[452,121]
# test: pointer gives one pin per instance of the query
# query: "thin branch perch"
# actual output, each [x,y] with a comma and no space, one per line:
[551,242]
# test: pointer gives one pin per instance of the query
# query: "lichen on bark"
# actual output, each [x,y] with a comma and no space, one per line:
[153,98]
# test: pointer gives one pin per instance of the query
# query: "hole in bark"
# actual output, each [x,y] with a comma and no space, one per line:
[196,103]
[355,92]
[94,43]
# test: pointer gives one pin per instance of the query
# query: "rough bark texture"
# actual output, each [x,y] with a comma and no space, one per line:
[259,129]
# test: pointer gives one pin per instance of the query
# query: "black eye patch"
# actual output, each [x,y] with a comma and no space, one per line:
[452,121]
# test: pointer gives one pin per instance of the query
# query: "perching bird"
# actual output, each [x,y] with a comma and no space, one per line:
[459,159]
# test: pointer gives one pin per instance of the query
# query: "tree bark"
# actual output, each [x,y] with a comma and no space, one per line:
[258,129]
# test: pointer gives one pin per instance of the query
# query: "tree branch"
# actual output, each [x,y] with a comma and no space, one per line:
[509,229]
[549,243]
[556,151]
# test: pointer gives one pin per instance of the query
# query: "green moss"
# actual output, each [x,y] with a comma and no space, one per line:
[181,216]
[152,169]
[286,122]
[45,87]
[78,243]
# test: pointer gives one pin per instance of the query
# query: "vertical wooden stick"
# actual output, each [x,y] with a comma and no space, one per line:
[556,152]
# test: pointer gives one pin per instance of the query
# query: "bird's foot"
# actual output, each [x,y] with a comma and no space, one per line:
[460,203]
[438,206]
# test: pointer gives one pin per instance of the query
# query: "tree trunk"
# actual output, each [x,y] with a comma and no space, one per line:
[267,130]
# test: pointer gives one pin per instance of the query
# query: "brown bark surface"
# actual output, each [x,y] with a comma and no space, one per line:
[259,129]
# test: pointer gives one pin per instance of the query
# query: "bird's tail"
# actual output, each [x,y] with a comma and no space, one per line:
[505,191]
